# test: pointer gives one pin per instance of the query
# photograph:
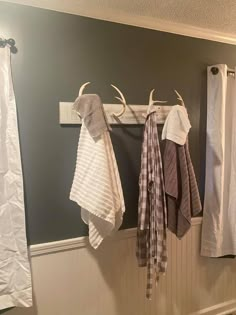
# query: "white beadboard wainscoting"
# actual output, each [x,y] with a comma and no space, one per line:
[70,278]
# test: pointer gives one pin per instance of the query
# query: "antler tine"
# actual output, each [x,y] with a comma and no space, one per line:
[80,93]
[151,101]
[82,88]
[179,97]
[122,100]
[122,96]
[151,97]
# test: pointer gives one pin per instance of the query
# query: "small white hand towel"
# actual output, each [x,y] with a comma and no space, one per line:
[97,187]
[177,125]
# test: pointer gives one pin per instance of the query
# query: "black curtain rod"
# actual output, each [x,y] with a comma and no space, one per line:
[215,70]
[11,42]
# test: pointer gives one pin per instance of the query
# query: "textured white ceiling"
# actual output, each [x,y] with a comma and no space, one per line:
[211,19]
[218,15]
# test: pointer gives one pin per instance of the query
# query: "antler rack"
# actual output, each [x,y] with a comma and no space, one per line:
[121,98]
[125,115]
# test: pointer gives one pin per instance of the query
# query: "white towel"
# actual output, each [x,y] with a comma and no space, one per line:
[96,186]
[177,125]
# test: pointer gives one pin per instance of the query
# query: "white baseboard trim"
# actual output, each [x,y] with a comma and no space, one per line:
[73,262]
[108,14]
[80,242]
[197,221]
[77,242]
[224,308]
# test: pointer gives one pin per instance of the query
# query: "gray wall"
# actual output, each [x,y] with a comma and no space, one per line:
[58,52]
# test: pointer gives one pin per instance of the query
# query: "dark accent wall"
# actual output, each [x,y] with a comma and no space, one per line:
[57,53]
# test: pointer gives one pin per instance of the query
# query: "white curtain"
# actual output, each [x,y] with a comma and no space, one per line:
[219,216]
[15,276]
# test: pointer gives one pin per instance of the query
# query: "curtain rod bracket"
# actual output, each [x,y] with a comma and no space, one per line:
[11,42]
[214,70]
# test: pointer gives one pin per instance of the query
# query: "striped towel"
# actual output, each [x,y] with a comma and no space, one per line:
[96,186]
[181,188]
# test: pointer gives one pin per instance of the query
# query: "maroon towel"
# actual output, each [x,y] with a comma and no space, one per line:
[181,188]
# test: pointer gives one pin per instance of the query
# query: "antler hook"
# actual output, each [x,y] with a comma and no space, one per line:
[80,93]
[82,88]
[180,98]
[122,100]
[152,102]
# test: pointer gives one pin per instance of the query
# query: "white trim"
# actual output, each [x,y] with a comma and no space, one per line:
[77,242]
[197,221]
[74,7]
[80,242]
[133,115]
[218,309]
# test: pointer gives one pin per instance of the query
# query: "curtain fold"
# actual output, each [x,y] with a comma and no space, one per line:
[15,275]
[219,213]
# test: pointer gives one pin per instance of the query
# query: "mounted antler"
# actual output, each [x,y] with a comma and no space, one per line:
[82,88]
[122,100]
[180,98]
[152,102]
[80,93]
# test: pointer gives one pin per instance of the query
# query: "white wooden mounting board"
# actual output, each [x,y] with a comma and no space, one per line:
[132,116]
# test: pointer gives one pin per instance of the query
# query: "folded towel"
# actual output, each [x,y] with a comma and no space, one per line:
[96,186]
[182,195]
[177,125]
[181,188]
[91,111]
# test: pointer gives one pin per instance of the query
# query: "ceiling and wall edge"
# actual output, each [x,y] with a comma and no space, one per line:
[70,6]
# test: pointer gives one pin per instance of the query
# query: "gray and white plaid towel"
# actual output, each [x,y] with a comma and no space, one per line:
[151,248]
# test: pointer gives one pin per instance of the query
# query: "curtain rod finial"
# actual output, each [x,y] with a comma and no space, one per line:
[214,70]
